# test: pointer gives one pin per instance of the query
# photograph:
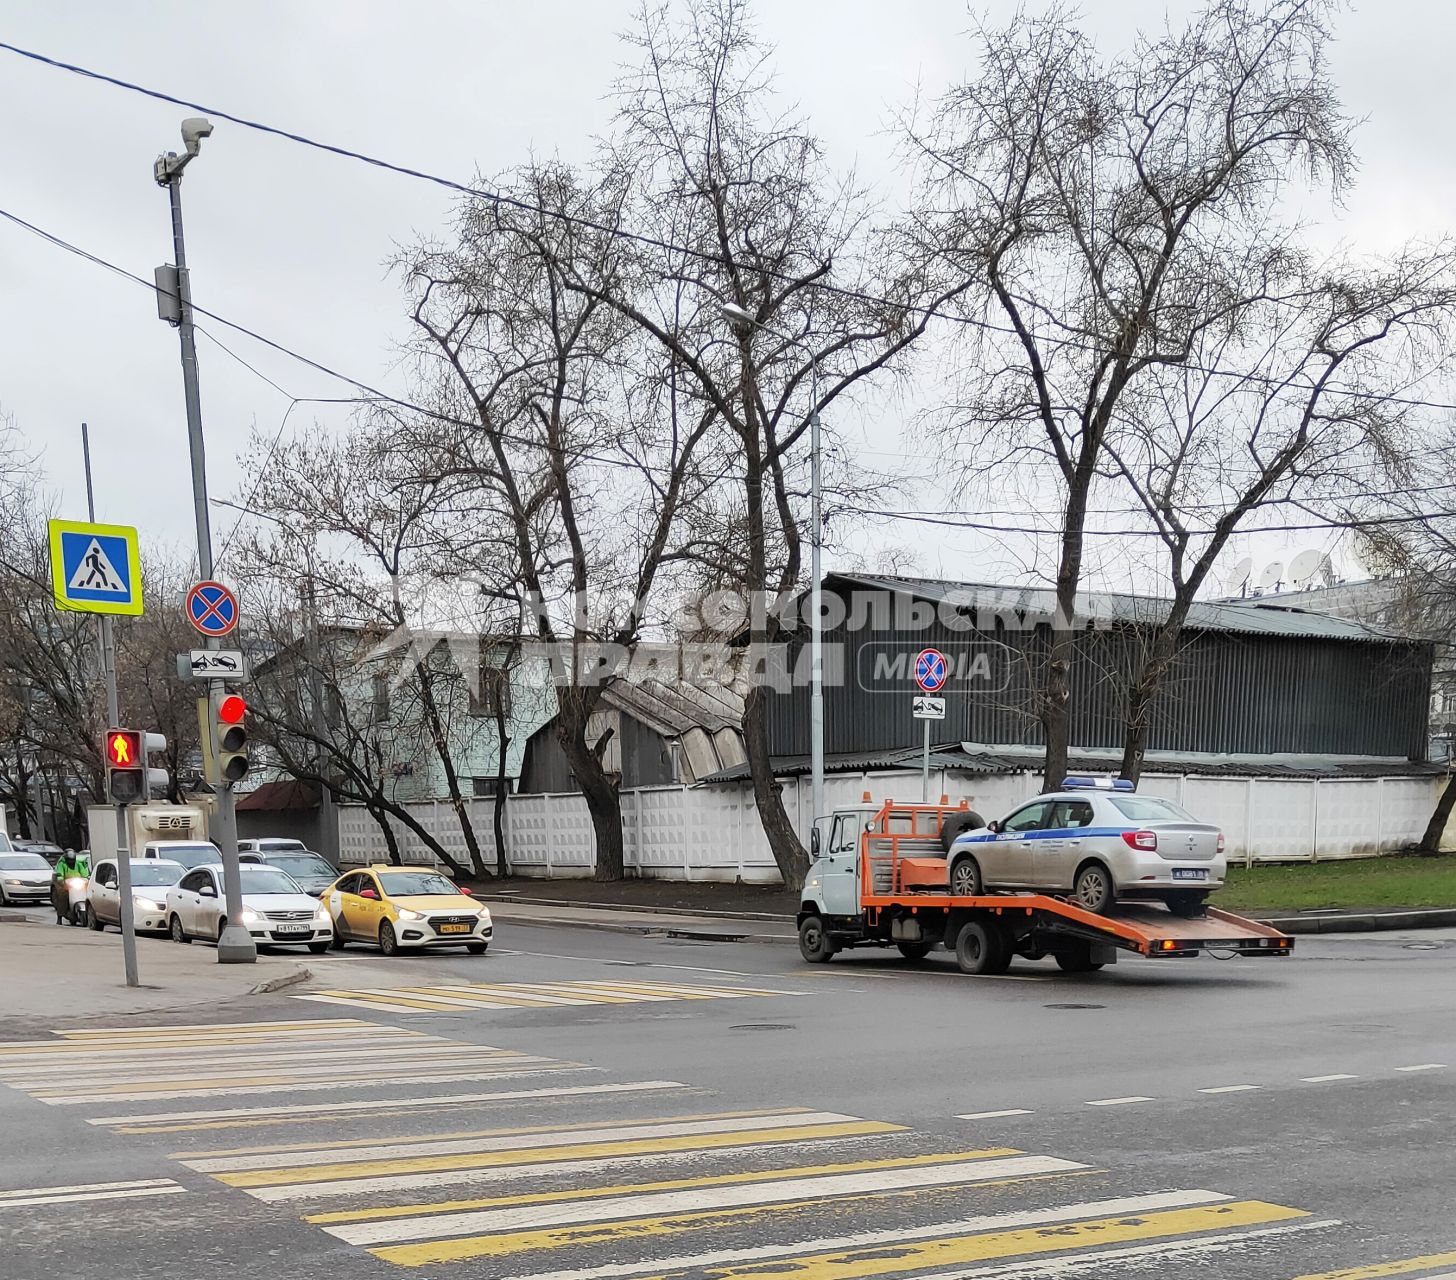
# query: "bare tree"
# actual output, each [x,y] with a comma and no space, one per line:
[1300,402]
[1111,214]
[746,212]
[554,424]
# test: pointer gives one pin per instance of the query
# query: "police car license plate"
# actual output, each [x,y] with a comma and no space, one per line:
[1187,873]
[454,928]
[292,928]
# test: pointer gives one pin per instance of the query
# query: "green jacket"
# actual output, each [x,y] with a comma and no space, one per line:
[72,864]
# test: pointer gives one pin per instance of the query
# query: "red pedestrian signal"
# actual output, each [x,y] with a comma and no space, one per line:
[126,773]
[123,748]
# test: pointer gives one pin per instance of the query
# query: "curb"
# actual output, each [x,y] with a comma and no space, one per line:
[282,983]
[656,911]
[646,930]
[1363,921]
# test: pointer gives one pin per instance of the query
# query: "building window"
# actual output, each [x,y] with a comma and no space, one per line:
[492,696]
[486,786]
[381,698]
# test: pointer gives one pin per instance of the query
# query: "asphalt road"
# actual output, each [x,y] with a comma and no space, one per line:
[611,1106]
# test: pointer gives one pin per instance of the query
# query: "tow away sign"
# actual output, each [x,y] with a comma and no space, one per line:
[928,708]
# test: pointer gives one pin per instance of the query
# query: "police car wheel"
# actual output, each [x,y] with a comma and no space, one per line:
[965,879]
[1093,889]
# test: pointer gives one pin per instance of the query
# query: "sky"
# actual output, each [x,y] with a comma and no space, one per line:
[295,244]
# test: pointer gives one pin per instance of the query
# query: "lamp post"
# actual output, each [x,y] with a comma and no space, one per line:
[174,303]
[735,314]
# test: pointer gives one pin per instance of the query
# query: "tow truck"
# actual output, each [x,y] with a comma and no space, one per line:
[880,880]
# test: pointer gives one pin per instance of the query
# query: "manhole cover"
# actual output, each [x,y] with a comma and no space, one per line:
[762,1026]
[1074,1006]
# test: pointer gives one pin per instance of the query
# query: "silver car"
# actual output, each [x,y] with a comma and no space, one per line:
[25,878]
[1096,841]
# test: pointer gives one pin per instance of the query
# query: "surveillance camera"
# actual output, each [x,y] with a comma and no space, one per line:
[194,130]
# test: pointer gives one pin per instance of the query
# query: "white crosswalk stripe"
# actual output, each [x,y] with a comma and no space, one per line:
[88,1193]
[504,996]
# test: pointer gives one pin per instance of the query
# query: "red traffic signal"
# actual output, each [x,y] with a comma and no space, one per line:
[123,749]
[232,709]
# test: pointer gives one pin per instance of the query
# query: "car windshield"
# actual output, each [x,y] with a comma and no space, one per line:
[191,855]
[5,845]
[267,880]
[23,862]
[1151,809]
[301,864]
[415,884]
[154,874]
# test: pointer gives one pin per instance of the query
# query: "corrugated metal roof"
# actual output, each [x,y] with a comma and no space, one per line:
[1250,617]
[985,758]
[674,707]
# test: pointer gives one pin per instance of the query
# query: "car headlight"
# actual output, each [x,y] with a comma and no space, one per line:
[485,915]
[148,904]
[248,916]
[15,883]
[406,914]
[321,916]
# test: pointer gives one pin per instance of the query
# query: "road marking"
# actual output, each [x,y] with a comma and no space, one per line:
[1232,1088]
[237,1117]
[523,1229]
[1376,1269]
[1425,1066]
[528,1134]
[529,1149]
[1118,1102]
[152,1064]
[564,1164]
[994,1115]
[88,1192]
[508,995]
[640,1188]
[1327,1079]
[889,1249]
[85,1033]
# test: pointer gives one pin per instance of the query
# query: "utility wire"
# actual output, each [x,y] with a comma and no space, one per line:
[479,192]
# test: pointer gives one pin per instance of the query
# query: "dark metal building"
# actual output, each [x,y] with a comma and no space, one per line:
[1250,679]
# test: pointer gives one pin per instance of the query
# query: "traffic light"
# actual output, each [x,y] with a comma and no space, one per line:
[127,777]
[232,739]
[126,773]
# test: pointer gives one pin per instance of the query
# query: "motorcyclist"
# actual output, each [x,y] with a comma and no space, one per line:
[68,866]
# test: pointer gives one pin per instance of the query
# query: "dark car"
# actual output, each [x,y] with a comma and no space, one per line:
[313,872]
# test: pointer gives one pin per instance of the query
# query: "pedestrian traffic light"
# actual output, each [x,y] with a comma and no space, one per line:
[126,773]
[232,739]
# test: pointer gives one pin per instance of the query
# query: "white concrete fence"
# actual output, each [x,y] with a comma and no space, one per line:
[713,833]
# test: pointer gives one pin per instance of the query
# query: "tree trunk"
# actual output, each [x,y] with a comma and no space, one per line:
[768,793]
[22,795]
[603,799]
[452,779]
[391,843]
[1436,827]
[498,814]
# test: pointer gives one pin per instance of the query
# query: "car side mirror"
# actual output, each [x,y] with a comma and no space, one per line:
[207,891]
[814,841]
[993,825]
[469,893]
[370,894]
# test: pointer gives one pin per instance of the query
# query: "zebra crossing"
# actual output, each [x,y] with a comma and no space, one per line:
[527,995]
[553,1170]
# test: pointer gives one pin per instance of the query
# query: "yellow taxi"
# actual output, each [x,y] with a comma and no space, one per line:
[406,909]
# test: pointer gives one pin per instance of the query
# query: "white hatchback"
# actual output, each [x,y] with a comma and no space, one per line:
[275,910]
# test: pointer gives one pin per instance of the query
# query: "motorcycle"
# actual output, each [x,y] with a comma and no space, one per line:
[73,909]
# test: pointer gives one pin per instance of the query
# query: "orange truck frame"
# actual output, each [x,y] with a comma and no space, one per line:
[888,887]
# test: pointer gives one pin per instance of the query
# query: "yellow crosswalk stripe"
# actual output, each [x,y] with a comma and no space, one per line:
[541,1155]
[1374,1270]
[440,998]
[283,1148]
[746,1178]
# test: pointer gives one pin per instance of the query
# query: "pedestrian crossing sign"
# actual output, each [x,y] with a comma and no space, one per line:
[95,568]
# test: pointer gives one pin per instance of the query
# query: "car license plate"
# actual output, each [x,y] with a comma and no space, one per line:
[1187,873]
[292,928]
[454,928]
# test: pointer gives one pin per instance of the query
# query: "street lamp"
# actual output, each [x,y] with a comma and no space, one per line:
[174,304]
[737,315]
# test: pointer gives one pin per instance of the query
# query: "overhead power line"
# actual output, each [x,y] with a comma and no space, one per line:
[478,191]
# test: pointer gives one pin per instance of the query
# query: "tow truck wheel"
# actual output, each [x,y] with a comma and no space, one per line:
[814,942]
[915,950]
[981,948]
[1077,961]
[965,879]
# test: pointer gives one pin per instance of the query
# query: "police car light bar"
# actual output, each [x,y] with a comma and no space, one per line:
[1097,784]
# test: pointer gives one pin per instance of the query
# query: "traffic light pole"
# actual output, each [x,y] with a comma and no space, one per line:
[113,716]
[235,945]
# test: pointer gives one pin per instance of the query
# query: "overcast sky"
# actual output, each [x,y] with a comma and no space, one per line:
[293,243]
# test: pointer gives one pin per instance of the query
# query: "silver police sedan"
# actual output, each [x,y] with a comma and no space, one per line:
[1098,841]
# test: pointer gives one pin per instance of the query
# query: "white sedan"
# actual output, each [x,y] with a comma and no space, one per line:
[150,880]
[275,910]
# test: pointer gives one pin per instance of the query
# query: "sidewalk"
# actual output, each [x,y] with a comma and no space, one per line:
[56,971]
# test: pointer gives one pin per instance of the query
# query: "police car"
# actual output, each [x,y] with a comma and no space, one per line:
[1096,840]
